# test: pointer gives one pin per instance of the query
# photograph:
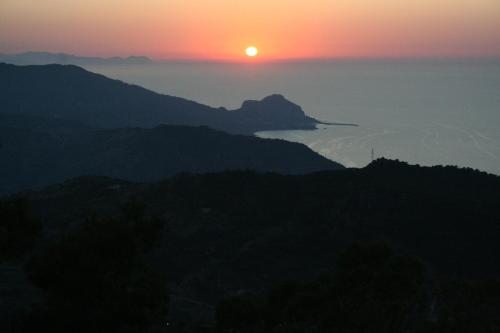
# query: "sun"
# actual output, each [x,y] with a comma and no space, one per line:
[251,51]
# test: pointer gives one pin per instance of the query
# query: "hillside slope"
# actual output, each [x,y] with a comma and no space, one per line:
[242,230]
[72,93]
[43,152]
[235,233]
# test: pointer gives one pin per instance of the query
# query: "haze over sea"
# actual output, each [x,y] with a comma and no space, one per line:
[422,111]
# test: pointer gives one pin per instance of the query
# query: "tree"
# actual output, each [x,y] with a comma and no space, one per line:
[18,230]
[97,280]
[372,290]
[243,313]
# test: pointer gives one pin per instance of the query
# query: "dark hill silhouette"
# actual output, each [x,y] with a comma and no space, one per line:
[273,112]
[41,124]
[72,93]
[35,152]
[241,231]
[446,215]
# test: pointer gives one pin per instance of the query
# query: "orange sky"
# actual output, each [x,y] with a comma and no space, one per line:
[281,29]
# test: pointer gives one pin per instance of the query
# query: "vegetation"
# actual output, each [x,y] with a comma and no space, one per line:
[424,258]
[372,290]
[19,231]
[97,279]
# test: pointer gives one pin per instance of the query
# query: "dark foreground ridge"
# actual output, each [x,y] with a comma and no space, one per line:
[74,94]
[425,260]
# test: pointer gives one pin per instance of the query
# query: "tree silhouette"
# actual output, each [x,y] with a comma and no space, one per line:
[372,290]
[18,230]
[96,280]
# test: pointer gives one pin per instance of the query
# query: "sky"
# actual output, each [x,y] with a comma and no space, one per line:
[280,29]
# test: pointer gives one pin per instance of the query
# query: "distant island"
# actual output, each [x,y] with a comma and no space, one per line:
[46,58]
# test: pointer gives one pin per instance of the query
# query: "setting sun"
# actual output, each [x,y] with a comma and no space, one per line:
[251,51]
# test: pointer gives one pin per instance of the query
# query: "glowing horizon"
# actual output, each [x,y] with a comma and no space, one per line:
[281,30]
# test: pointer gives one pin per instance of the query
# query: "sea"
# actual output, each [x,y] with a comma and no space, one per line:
[427,112]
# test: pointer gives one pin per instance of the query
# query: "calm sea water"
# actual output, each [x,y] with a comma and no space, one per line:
[426,112]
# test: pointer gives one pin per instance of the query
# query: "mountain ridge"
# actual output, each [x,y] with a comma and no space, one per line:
[73,93]
[42,153]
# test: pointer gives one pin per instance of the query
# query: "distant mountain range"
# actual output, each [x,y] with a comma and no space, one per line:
[46,58]
[72,93]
